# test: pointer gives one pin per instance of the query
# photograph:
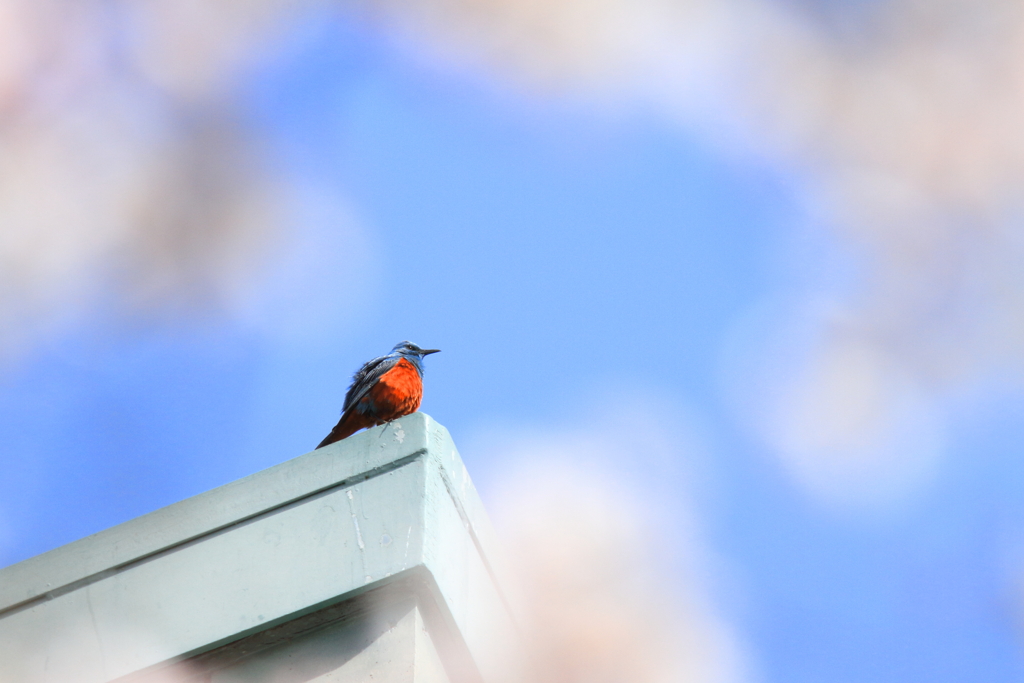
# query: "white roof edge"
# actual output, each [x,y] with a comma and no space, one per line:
[358,457]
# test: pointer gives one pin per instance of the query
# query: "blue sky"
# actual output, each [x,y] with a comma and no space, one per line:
[561,255]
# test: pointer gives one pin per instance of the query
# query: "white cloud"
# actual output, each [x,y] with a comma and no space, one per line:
[320,277]
[850,423]
[598,523]
[116,184]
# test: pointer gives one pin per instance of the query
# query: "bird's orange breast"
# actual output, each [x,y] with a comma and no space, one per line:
[398,392]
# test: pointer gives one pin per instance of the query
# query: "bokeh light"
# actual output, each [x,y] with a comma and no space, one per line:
[798,219]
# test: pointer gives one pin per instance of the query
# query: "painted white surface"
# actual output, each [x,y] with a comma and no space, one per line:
[259,552]
[398,648]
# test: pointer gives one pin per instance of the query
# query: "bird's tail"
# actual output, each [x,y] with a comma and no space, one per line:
[349,424]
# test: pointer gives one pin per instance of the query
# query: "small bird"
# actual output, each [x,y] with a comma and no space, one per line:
[384,389]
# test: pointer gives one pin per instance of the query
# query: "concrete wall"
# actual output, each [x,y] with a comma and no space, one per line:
[372,554]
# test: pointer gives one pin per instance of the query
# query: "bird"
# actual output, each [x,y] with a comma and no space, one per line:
[384,389]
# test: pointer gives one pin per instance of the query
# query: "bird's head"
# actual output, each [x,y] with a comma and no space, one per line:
[409,350]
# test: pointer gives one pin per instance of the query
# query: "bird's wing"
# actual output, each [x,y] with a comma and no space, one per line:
[366,377]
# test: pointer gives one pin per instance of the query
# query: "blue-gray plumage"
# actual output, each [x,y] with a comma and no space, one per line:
[384,389]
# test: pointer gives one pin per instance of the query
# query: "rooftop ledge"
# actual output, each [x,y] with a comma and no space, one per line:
[384,518]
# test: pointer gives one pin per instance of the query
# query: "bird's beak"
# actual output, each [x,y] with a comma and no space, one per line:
[427,352]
